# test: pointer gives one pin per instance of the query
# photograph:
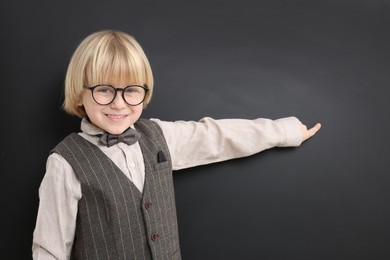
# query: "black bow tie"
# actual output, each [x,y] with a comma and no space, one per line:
[130,136]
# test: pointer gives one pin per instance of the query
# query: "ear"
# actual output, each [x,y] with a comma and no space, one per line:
[80,102]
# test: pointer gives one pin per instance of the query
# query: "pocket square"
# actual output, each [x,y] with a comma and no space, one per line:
[161,157]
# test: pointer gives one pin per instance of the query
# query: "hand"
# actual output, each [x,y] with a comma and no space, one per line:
[307,133]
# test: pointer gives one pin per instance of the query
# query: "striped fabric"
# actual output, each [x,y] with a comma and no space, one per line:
[115,220]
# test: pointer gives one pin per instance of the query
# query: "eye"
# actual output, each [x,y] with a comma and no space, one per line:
[104,90]
[133,90]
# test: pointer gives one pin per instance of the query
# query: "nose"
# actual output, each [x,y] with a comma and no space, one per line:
[118,102]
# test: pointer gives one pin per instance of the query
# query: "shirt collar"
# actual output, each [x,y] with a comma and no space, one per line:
[89,128]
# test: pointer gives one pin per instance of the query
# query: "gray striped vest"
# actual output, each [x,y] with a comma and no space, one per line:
[115,220]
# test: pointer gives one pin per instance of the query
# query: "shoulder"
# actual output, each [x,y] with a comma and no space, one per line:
[68,138]
[69,143]
[148,127]
[60,174]
[57,161]
[145,122]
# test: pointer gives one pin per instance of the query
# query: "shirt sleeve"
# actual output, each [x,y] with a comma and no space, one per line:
[193,143]
[56,221]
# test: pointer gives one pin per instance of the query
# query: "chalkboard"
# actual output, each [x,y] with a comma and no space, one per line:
[322,61]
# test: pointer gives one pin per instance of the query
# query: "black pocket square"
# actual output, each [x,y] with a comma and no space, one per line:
[161,157]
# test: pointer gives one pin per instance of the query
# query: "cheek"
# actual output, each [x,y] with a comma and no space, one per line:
[138,109]
[90,106]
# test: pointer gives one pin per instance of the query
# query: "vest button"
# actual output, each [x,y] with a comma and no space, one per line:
[154,236]
[148,205]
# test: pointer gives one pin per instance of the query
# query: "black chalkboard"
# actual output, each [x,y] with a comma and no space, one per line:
[322,61]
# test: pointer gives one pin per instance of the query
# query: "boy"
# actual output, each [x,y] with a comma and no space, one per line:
[108,192]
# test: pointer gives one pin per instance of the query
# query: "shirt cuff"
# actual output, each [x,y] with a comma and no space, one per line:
[293,131]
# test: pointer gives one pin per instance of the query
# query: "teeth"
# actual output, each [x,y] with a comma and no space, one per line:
[116,116]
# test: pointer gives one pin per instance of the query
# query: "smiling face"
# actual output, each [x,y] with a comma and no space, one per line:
[107,57]
[115,117]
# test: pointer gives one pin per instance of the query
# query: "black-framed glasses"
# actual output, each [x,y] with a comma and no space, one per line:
[104,94]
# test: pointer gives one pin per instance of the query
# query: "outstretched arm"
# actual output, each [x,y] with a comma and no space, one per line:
[208,140]
[307,133]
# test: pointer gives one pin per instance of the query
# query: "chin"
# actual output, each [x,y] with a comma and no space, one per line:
[118,131]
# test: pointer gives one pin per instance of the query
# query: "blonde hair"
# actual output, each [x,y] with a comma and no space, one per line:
[105,57]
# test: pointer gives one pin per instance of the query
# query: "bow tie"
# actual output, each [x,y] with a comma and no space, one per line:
[130,136]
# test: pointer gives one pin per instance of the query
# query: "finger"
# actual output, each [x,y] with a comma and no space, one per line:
[312,131]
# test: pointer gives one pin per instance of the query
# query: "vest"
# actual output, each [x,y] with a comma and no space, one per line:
[115,220]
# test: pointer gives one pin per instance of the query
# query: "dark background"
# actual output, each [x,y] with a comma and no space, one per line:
[322,61]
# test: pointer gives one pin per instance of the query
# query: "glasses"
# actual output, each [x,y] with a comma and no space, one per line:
[105,94]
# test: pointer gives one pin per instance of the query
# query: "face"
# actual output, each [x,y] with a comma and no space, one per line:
[114,118]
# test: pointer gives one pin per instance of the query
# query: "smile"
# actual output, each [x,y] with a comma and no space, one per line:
[116,117]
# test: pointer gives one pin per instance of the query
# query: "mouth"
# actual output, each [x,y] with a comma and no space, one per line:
[115,117]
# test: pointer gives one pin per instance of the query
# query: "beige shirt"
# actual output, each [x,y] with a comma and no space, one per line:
[190,144]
